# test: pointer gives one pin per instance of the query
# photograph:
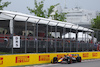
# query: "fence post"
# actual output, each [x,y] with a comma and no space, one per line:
[47,39]
[12,33]
[77,39]
[55,37]
[37,37]
[70,37]
[93,42]
[82,40]
[26,35]
[64,37]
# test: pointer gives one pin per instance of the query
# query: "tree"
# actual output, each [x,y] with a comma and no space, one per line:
[38,11]
[96,22]
[60,16]
[4,4]
[96,27]
[50,10]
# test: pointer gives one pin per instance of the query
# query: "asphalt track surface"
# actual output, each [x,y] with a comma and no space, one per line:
[86,63]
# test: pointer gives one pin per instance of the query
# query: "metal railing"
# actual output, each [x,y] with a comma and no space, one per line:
[43,47]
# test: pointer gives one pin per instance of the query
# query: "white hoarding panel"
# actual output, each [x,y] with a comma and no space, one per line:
[16,41]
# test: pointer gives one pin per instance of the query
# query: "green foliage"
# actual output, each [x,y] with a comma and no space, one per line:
[60,17]
[38,11]
[4,53]
[96,22]
[50,10]
[4,4]
[56,16]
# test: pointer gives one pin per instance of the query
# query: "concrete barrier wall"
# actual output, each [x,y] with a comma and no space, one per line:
[28,59]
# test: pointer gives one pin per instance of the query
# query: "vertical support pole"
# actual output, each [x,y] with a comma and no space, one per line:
[26,35]
[82,40]
[64,37]
[12,36]
[47,38]
[37,37]
[76,34]
[70,41]
[85,37]
[87,40]
[69,34]
[51,38]
[51,32]
[97,34]
[55,37]
[92,40]
[34,35]
[77,39]
[61,35]
[12,33]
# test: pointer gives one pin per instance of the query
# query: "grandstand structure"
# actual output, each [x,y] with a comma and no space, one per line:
[35,34]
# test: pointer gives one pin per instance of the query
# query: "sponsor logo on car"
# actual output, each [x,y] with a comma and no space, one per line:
[59,56]
[44,57]
[22,59]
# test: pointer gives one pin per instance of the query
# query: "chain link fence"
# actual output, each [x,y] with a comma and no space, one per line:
[32,41]
[43,47]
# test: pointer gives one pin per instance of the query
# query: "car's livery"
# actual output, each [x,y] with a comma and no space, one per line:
[69,58]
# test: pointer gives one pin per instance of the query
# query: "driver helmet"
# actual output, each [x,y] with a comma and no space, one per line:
[70,55]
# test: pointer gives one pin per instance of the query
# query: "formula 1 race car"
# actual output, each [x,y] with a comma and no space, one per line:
[69,58]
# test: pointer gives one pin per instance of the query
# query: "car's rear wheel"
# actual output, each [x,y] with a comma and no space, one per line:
[78,59]
[55,60]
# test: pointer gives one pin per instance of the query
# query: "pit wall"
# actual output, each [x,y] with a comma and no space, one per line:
[29,59]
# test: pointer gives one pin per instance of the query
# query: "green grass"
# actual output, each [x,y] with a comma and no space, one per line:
[4,53]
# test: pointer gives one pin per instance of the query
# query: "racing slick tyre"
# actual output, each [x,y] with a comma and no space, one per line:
[78,59]
[55,60]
